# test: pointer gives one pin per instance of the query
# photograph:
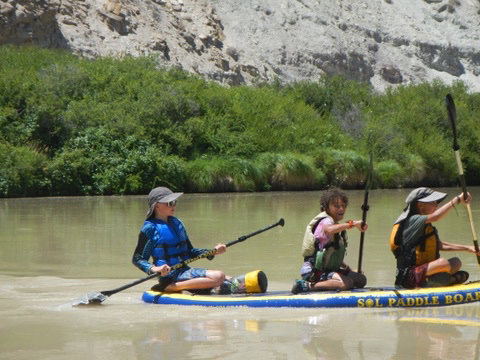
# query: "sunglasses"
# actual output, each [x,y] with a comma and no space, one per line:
[171,203]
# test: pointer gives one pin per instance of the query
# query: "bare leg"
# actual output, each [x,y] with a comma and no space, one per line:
[450,266]
[359,279]
[442,272]
[337,282]
[213,279]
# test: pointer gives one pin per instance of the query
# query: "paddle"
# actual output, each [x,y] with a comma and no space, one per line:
[452,114]
[365,208]
[99,297]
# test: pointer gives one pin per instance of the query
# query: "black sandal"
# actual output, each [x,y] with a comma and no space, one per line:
[437,280]
[459,277]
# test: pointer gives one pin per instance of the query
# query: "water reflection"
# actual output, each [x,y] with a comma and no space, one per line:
[455,315]
[194,335]
[414,332]
[56,249]
[333,335]
[426,333]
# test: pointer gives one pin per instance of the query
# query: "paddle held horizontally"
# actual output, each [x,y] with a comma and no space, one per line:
[99,297]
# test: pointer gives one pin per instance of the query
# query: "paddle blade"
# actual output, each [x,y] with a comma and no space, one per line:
[91,298]
[452,115]
[368,182]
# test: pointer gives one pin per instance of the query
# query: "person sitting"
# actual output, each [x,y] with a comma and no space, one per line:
[415,243]
[324,246]
[164,238]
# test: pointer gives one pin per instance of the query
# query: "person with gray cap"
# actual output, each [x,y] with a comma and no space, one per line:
[415,243]
[164,238]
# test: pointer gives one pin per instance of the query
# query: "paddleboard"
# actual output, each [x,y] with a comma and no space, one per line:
[387,297]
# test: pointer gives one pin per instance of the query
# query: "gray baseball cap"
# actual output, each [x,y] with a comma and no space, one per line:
[421,194]
[160,195]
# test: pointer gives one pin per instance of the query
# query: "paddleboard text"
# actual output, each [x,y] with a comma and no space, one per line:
[417,301]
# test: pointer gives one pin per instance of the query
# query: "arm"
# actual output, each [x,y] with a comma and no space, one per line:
[331,229]
[444,246]
[142,253]
[443,210]
[194,252]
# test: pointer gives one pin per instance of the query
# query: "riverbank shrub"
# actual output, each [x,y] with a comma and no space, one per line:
[343,168]
[388,174]
[290,171]
[22,172]
[72,126]
[216,174]
[98,163]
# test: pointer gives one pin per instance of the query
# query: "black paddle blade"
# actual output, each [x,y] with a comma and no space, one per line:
[368,182]
[91,298]
[452,115]
[368,185]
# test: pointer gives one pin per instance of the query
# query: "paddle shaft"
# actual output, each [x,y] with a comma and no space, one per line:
[452,114]
[469,210]
[362,234]
[365,208]
[211,252]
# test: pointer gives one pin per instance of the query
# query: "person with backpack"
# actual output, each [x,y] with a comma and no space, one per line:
[324,246]
[416,245]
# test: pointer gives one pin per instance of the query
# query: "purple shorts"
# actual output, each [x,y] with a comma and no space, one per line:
[417,276]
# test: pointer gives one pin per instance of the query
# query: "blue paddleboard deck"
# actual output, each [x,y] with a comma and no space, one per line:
[386,297]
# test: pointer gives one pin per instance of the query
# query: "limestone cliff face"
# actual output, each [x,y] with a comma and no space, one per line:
[383,42]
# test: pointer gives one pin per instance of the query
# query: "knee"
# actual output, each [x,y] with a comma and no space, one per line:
[442,265]
[217,276]
[347,283]
[455,264]
[360,281]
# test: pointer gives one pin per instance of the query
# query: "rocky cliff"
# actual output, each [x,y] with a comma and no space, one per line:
[383,42]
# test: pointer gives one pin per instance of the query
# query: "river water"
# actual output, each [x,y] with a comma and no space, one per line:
[55,250]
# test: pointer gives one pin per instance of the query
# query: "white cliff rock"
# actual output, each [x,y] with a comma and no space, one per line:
[383,42]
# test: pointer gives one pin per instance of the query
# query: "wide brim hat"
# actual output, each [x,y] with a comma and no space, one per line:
[160,195]
[421,194]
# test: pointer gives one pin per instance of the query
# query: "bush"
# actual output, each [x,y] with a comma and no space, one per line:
[389,174]
[343,168]
[290,171]
[98,163]
[215,174]
[411,121]
[22,172]
[123,126]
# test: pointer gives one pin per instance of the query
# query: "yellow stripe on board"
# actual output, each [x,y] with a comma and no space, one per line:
[442,321]
[374,298]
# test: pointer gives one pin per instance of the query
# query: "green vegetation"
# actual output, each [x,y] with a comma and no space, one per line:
[71,126]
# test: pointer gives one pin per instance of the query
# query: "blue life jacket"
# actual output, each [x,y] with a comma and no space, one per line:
[171,245]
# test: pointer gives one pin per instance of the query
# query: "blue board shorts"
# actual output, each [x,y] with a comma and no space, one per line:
[182,274]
